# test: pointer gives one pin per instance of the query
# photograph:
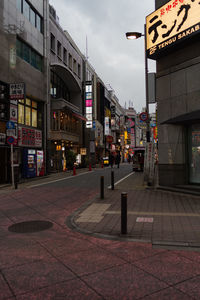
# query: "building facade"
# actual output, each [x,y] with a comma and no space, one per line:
[23,87]
[178,93]
[65,107]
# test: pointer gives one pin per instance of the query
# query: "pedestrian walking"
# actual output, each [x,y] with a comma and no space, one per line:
[118,159]
[111,159]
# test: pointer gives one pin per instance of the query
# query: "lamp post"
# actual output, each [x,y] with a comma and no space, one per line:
[133,36]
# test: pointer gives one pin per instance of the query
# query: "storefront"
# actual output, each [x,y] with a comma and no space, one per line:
[30,152]
[172,37]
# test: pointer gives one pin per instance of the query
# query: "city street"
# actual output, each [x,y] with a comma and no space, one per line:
[63,262]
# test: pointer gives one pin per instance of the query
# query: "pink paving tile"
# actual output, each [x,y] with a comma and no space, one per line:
[73,289]
[191,287]
[90,261]
[69,244]
[124,282]
[168,293]
[21,254]
[192,255]
[169,267]
[4,289]
[132,251]
[30,277]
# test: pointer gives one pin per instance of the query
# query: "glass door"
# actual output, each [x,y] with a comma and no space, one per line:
[194,153]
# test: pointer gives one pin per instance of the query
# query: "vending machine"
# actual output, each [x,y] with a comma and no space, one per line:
[29,163]
[40,163]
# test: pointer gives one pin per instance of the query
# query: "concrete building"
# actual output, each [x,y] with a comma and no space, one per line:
[23,85]
[65,108]
[176,50]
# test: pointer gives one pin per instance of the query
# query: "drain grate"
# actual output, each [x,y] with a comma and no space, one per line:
[30,226]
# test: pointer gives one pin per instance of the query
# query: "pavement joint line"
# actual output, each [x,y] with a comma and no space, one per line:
[149,213]
[117,182]
[61,179]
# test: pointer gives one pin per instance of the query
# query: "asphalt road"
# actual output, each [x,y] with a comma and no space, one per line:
[89,179]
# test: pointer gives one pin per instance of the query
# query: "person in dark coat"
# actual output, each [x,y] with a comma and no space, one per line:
[118,159]
[111,159]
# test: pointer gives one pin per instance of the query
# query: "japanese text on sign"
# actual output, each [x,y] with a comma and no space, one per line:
[172,22]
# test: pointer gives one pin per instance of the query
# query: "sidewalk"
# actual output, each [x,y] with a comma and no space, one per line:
[60,263]
[156,216]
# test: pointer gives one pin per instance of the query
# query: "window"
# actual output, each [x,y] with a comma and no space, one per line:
[19,5]
[33,59]
[38,23]
[26,9]
[20,112]
[64,55]
[58,48]
[30,13]
[79,71]
[70,61]
[53,46]
[32,17]
[34,118]
[27,116]
[26,53]
[58,88]
[28,113]
[74,66]
[29,55]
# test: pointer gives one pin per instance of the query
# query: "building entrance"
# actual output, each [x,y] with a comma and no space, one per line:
[194,153]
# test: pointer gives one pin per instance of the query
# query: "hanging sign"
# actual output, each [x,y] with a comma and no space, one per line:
[172,23]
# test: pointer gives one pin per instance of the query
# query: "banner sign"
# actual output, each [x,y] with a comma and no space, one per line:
[29,137]
[88,103]
[106,127]
[173,22]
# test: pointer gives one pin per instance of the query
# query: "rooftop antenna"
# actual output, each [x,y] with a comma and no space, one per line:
[87,57]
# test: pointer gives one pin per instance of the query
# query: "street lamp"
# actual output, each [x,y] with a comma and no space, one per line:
[133,36]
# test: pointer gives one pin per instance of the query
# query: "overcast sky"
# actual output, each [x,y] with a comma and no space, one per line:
[117,61]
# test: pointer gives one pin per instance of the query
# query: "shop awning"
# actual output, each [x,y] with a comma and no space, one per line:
[188,118]
[79,116]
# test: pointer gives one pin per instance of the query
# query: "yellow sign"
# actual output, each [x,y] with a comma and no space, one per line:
[171,23]
[83,151]
[58,147]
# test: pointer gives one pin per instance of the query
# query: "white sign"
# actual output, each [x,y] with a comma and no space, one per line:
[88,110]
[89,117]
[89,124]
[17,90]
[13,113]
[107,128]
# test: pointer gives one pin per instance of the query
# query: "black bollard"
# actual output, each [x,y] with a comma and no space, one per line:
[123,213]
[16,185]
[112,180]
[102,187]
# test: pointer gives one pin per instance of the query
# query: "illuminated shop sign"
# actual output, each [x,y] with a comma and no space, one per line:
[106,126]
[173,22]
[88,103]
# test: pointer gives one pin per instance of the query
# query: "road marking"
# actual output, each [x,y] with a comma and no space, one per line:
[152,213]
[93,214]
[117,182]
[144,220]
[70,177]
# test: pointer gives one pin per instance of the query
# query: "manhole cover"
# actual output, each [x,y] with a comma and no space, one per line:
[30,226]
